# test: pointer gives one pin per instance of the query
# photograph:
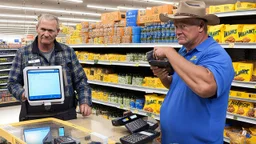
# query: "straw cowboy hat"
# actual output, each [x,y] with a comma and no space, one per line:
[191,9]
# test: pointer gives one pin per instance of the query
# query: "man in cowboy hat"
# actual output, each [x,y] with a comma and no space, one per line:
[194,110]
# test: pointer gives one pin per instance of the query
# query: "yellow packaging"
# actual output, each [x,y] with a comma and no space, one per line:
[243,108]
[221,8]
[232,93]
[231,33]
[244,72]
[252,96]
[244,5]
[217,32]
[235,66]
[150,103]
[160,100]
[247,35]
[232,107]
[241,94]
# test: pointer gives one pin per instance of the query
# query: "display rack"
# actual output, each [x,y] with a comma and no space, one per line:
[12,51]
[136,111]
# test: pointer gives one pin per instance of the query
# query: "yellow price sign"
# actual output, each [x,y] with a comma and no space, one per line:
[137,64]
[235,117]
[122,106]
[110,62]
[231,45]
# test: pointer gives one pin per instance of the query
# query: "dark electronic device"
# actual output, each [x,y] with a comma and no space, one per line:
[137,125]
[142,137]
[64,140]
[152,125]
[159,63]
[124,120]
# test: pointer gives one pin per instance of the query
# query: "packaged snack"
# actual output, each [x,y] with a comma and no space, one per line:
[232,108]
[217,32]
[231,33]
[247,35]
[150,103]
[160,100]
[239,107]
[244,72]
[244,5]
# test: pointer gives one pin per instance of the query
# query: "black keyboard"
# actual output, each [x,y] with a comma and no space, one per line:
[137,125]
[140,137]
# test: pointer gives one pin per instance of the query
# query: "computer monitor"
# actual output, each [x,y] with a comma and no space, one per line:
[38,135]
[43,85]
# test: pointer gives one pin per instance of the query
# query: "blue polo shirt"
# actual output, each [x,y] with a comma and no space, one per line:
[187,118]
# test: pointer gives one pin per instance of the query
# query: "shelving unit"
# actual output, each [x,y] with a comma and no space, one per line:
[130,87]
[141,112]
[8,103]
[241,118]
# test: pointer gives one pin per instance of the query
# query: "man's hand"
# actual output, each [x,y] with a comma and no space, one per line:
[160,52]
[23,98]
[159,72]
[85,110]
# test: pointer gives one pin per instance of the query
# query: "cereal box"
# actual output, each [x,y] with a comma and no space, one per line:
[244,72]
[247,35]
[231,33]
[217,32]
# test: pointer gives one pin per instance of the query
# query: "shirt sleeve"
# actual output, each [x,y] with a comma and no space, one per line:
[220,64]
[15,81]
[80,81]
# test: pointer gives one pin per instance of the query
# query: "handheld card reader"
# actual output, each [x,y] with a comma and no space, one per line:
[43,85]
[164,63]
[141,137]
[124,120]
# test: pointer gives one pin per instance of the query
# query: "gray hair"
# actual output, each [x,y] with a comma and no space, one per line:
[48,17]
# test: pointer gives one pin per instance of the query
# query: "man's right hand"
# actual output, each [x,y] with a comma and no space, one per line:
[23,98]
[161,73]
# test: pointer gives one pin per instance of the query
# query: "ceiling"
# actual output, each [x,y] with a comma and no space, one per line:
[26,11]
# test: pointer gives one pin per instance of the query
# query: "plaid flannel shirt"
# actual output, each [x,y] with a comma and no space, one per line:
[73,73]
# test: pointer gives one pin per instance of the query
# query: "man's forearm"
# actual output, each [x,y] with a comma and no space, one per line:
[198,78]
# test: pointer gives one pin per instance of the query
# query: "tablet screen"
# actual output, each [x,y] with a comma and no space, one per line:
[36,135]
[43,84]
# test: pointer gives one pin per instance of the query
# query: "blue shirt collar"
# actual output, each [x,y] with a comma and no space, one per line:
[201,46]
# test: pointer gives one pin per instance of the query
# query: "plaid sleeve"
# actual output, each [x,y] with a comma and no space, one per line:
[80,81]
[15,81]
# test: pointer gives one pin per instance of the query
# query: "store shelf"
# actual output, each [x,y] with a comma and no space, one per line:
[6,104]
[237,13]
[3,84]
[130,87]
[152,45]
[9,49]
[140,112]
[5,63]
[3,90]
[10,55]
[241,118]
[130,45]
[116,63]
[242,99]
[244,84]
[1,70]
[2,77]
[226,140]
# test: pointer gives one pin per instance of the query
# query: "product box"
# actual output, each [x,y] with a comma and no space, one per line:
[244,5]
[244,72]
[231,33]
[217,32]
[150,103]
[247,35]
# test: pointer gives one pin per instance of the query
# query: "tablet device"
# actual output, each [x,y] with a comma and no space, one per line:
[43,85]
[40,135]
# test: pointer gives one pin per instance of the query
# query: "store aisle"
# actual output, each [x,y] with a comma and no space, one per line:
[9,114]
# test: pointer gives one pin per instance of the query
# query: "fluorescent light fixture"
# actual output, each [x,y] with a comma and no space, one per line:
[16,25]
[78,19]
[75,1]
[60,18]
[102,7]
[130,8]
[159,1]
[48,10]
[148,8]
[30,22]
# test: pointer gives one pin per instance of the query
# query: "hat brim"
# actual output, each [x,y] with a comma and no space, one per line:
[210,18]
